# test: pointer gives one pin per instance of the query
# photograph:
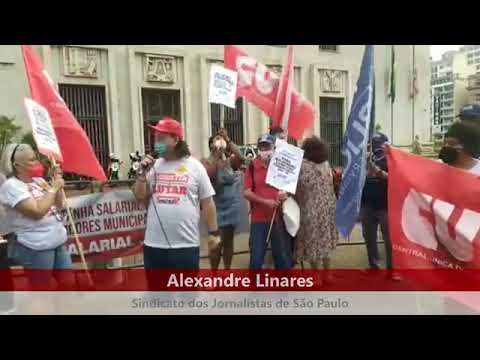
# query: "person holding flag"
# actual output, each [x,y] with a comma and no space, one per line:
[374,204]
[33,213]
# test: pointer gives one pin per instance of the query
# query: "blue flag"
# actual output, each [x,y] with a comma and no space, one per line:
[354,148]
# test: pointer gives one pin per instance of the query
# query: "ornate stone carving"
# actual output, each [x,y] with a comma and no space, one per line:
[160,69]
[81,62]
[331,81]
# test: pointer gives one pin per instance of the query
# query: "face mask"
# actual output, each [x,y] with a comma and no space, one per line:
[161,149]
[266,155]
[221,144]
[35,170]
[448,155]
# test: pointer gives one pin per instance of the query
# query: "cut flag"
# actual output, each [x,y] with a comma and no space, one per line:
[78,155]
[354,148]
[261,87]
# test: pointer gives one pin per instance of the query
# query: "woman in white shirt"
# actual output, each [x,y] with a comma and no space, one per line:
[32,209]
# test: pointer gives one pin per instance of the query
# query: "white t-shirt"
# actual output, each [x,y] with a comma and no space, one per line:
[177,188]
[476,169]
[45,234]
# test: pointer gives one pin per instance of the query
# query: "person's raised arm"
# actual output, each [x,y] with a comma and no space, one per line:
[38,208]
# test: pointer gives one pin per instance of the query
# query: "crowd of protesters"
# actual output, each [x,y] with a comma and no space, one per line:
[176,188]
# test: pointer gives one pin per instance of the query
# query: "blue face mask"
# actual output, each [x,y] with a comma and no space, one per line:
[161,149]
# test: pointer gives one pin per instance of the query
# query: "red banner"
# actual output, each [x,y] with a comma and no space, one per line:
[109,225]
[260,87]
[434,214]
[77,152]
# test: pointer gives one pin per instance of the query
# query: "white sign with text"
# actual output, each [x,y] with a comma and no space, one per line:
[223,86]
[42,129]
[284,168]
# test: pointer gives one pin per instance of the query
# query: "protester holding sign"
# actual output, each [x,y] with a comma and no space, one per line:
[318,235]
[33,212]
[462,146]
[265,200]
[173,187]
[226,181]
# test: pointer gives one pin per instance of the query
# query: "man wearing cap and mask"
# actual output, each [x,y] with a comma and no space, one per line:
[173,188]
[374,206]
[265,200]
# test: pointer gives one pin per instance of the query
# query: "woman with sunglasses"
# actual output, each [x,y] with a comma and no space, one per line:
[32,209]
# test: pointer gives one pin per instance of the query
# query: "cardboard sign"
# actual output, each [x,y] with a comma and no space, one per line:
[42,130]
[223,86]
[284,168]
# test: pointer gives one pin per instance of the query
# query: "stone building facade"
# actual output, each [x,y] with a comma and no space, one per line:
[115,90]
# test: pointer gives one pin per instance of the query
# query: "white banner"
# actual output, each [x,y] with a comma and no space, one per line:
[223,86]
[284,168]
[42,130]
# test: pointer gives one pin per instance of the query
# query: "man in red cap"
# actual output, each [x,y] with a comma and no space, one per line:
[173,188]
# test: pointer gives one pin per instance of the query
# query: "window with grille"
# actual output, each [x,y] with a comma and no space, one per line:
[156,104]
[87,103]
[331,127]
[333,48]
[231,119]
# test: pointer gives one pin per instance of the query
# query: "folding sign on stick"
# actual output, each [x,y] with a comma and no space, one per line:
[42,130]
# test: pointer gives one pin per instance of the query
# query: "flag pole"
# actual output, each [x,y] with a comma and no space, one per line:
[77,239]
[75,234]
[271,225]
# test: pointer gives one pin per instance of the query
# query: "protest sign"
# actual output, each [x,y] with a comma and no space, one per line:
[284,168]
[223,86]
[109,225]
[42,129]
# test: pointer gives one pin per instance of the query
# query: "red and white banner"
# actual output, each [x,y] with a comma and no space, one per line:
[433,213]
[77,151]
[110,225]
[260,87]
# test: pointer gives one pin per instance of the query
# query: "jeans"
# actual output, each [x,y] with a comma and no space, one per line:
[40,265]
[281,244]
[168,259]
[184,258]
[371,218]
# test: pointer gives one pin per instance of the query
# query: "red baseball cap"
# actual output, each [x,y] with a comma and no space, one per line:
[169,125]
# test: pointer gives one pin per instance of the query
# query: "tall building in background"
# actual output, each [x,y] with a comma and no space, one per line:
[455,83]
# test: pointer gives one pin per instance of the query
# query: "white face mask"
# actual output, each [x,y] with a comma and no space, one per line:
[266,155]
[220,144]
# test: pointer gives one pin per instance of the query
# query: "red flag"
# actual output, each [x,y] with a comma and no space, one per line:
[260,87]
[77,151]
[433,213]
[281,113]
